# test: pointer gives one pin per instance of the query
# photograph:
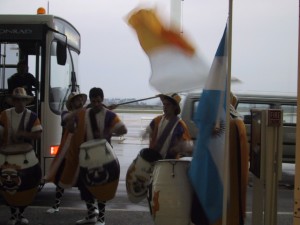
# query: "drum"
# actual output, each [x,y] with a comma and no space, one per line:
[138,174]
[170,194]
[99,169]
[20,174]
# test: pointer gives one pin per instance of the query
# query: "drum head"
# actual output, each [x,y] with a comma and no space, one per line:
[136,187]
[150,155]
[92,143]
[186,158]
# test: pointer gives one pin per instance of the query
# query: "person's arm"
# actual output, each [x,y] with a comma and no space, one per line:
[69,116]
[33,82]
[34,135]
[116,127]
[120,131]
[68,120]
[182,148]
[183,145]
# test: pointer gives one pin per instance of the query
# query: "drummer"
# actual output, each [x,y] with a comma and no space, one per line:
[96,122]
[20,125]
[64,168]
[168,133]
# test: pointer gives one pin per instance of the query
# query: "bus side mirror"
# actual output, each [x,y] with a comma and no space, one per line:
[61,53]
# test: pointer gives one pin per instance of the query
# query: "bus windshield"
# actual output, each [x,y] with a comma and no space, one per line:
[60,76]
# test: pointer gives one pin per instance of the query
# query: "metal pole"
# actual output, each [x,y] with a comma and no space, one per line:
[176,15]
[228,89]
[3,65]
[297,149]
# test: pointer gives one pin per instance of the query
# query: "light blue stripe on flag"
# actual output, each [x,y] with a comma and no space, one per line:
[207,166]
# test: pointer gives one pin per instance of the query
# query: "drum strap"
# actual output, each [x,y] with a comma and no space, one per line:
[161,140]
[31,121]
[21,124]
[94,125]
[95,128]
[29,124]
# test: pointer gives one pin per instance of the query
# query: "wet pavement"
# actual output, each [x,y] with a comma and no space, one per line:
[120,211]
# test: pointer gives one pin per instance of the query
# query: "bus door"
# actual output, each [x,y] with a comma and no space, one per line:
[11,54]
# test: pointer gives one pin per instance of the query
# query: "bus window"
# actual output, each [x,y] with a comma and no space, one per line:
[195,106]
[289,114]
[11,54]
[244,108]
[60,79]
[9,60]
[59,82]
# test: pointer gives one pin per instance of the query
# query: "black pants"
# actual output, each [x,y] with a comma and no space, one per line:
[85,194]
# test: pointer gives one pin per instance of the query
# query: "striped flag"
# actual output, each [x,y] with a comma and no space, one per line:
[207,167]
[175,66]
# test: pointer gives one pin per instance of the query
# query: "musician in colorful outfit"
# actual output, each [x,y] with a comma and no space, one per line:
[19,125]
[96,122]
[64,169]
[168,133]
[238,173]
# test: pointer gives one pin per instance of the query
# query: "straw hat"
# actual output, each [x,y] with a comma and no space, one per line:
[174,98]
[233,104]
[233,100]
[72,96]
[19,93]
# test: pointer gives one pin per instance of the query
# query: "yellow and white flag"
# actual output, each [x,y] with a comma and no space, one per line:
[174,63]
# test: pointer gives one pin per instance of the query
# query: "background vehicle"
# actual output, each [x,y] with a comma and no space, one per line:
[246,102]
[51,46]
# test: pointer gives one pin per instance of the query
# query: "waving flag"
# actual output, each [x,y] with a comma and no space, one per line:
[206,171]
[174,64]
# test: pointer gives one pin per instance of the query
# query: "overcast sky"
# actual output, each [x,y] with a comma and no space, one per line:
[264,45]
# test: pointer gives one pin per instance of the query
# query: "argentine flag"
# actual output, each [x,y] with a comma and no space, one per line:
[207,167]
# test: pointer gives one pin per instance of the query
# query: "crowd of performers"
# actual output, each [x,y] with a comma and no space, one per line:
[86,159]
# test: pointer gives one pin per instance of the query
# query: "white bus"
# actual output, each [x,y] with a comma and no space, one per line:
[246,102]
[51,47]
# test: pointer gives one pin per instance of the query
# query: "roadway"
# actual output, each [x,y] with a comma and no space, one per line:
[120,211]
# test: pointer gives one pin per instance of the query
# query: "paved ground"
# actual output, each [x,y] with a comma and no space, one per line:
[68,216]
[120,211]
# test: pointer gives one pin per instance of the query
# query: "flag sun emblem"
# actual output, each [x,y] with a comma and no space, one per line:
[219,129]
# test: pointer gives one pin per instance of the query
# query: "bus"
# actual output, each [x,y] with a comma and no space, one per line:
[246,102]
[51,46]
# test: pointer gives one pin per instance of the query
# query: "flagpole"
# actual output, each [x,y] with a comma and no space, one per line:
[226,164]
[176,15]
[297,149]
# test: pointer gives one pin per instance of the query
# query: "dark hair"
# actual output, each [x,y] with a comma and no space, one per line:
[22,62]
[95,92]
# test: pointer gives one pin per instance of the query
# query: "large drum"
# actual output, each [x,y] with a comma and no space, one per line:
[170,195]
[20,174]
[138,174]
[99,169]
